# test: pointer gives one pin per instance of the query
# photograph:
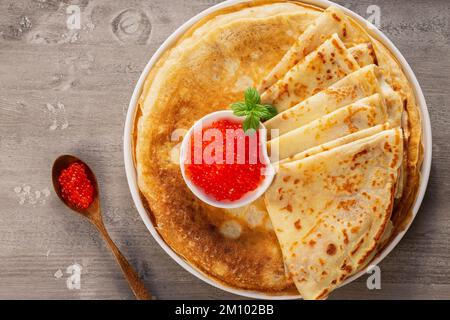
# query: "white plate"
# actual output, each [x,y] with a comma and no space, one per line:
[131,171]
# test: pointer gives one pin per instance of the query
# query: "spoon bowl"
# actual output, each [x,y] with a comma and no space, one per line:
[64,162]
[93,214]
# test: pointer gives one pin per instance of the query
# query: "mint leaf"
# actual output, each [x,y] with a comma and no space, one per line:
[251,123]
[271,110]
[239,109]
[252,97]
[261,111]
[253,110]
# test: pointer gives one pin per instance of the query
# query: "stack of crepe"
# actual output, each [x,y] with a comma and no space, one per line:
[339,144]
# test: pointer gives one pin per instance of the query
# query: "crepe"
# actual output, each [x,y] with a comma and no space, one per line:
[364,54]
[330,210]
[251,12]
[331,21]
[360,115]
[338,142]
[358,85]
[412,129]
[393,102]
[330,62]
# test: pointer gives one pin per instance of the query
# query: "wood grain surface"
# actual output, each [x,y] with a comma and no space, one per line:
[67,90]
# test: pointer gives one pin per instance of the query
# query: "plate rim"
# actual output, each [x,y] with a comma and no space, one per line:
[130,169]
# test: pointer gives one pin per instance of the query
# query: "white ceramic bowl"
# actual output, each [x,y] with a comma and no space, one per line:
[249,197]
[131,171]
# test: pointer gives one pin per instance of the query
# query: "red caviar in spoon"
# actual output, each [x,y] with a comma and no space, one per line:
[76,188]
[225,180]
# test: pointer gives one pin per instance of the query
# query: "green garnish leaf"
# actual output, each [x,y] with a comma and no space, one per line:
[272,111]
[253,111]
[251,123]
[252,96]
[239,109]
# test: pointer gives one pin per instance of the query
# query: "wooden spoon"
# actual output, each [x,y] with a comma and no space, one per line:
[93,214]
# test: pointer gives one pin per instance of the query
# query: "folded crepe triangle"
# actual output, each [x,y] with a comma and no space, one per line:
[331,21]
[360,115]
[338,142]
[330,210]
[358,85]
[330,62]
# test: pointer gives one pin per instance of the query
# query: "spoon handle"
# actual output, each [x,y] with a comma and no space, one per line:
[135,283]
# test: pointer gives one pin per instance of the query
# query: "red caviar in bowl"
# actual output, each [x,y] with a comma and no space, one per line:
[225,180]
[76,188]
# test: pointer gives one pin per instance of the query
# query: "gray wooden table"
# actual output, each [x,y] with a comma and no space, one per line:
[66,90]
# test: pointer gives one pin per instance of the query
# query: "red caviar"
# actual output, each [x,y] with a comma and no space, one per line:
[76,187]
[229,176]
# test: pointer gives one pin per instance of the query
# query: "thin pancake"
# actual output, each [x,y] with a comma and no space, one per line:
[393,102]
[364,54]
[412,127]
[254,12]
[331,210]
[330,62]
[338,142]
[360,115]
[331,21]
[355,86]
